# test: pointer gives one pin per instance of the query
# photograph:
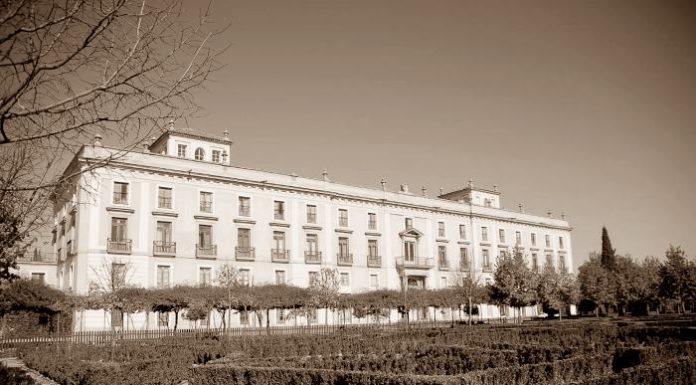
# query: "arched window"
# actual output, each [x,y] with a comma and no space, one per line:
[199,153]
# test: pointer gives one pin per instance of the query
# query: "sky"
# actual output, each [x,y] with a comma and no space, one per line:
[586,108]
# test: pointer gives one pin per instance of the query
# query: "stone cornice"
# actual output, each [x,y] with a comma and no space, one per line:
[205,217]
[247,221]
[165,214]
[311,227]
[279,224]
[126,210]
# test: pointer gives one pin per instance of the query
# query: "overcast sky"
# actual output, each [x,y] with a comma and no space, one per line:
[582,107]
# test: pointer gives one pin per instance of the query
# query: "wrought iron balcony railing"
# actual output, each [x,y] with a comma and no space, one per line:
[344,259]
[312,257]
[245,253]
[280,255]
[119,246]
[374,261]
[414,262]
[206,251]
[163,248]
[442,264]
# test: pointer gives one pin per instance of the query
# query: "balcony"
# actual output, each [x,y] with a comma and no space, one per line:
[206,251]
[374,261]
[443,265]
[119,246]
[164,248]
[344,259]
[164,202]
[280,255]
[244,253]
[312,257]
[414,262]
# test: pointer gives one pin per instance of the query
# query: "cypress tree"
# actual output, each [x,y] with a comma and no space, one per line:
[608,253]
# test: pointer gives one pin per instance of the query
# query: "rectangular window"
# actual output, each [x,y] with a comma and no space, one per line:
[486,259]
[216,156]
[518,237]
[205,235]
[561,264]
[280,277]
[311,214]
[164,233]
[549,260]
[409,223]
[244,277]
[409,251]
[280,316]
[119,229]
[313,278]
[502,254]
[548,240]
[462,231]
[116,318]
[484,234]
[342,217]
[181,150]
[206,203]
[371,221]
[560,242]
[205,276]
[443,282]
[162,276]
[345,279]
[372,248]
[343,249]
[118,276]
[279,210]
[501,235]
[244,238]
[244,207]
[38,277]
[164,198]
[374,281]
[533,239]
[279,240]
[312,244]
[535,262]
[464,257]
[441,229]
[163,319]
[442,256]
[120,193]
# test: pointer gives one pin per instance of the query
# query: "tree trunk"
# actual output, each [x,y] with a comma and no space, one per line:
[471,310]
[176,319]
[268,321]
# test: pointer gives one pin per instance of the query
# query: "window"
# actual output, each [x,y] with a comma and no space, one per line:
[484,234]
[280,313]
[533,239]
[374,281]
[442,256]
[487,202]
[120,193]
[311,214]
[163,319]
[244,238]
[443,282]
[118,275]
[518,237]
[119,229]
[279,240]
[441,229]
[549,259]
[312,244]
[343,217]
[312,316]
[199,154]
[560,242]
[501,235]
[548,240]
[502,254]
[535,262]
[345,279]
[164,198]
[116,318]
[280,277]
[486,259]
[38,277]
[181,150]
[409,223]
[279,210]
[164,233]
[561,264]
[205,235]
[372,248]
[205,276]
[343,246]
[244,277]
[409,251]
[216,156]
[371,221]
[462,231]
[163,276]
[313,278]
[244,206]
[464,257]
[206,205]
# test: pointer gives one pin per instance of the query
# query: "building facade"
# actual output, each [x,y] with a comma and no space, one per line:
[177,211]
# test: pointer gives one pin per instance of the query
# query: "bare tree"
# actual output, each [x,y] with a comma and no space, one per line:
[228,279]
[72,68]
[324,291]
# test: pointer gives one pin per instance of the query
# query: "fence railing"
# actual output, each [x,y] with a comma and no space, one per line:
[119,246]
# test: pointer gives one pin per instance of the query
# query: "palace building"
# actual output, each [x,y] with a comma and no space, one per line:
[177,210]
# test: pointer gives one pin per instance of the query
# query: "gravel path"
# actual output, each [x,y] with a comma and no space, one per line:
[14,362]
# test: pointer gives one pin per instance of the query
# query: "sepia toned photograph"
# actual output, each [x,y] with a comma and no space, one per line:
[334,192]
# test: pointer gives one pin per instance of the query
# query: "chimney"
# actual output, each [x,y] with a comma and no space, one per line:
[383,182]
[226,135]
[97,140]
[471,183]
[521,208]
[325,176]
[424,191]
[403,188]
[171,124]
[549,214]
[495,188]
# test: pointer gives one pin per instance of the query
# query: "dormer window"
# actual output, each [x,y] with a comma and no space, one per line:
[181,150]
[216,156]
[199,154]
[487,202]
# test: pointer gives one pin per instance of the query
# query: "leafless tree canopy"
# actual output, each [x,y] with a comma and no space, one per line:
[72,68]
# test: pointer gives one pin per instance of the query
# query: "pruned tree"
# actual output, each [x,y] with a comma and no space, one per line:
[324,291]
[469,287]
[513,282]
[73,68]
[228,280]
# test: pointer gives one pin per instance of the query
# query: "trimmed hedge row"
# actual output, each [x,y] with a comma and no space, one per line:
[677,371]
[14,376]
